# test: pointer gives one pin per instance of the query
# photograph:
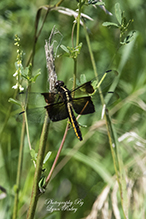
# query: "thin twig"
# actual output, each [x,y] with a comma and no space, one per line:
[57,156]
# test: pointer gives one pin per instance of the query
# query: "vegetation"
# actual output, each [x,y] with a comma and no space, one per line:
[102,176]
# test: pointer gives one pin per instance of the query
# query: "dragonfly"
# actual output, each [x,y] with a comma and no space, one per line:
[62,103]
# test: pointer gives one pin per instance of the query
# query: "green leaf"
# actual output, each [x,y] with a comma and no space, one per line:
[41,184]
[64,48]
[129,37]
[123,21]
[47,157]
[11,100]
[106,24]
[36,76]
[118,13]
[33,154]
[100,3]
[30,79]
[72,52]
[94,164]
[94,2]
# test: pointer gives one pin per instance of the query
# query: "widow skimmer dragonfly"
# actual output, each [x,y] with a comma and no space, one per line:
[61,105]
[63,108]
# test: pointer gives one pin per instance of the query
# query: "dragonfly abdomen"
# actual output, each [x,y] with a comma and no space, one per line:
[73,121]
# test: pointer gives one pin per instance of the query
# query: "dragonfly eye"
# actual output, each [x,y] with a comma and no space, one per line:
[59,83]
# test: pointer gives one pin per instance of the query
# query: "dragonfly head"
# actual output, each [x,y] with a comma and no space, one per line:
[59,84]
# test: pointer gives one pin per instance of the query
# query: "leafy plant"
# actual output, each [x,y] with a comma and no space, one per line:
[104,173]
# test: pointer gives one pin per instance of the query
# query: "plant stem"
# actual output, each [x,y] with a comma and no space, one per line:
[15,210]
[35,191]
[38,32]
[57,156]
[78,24]
[93,61]
[115,154]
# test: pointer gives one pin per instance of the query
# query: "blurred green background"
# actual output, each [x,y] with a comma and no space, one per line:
[86,174]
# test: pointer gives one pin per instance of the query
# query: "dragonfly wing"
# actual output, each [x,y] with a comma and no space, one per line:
[35,115]
[83,105]
[49,97]
[103,80]
[86,88]
[57,111]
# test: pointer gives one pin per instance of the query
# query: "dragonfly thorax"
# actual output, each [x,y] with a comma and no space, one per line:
[63,91]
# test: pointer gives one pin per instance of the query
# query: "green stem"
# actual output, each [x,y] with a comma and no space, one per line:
[35,191]
[93,61]
[78,24]
[118,165]
[74,75]
[90,50]
[38,32]
[109,126]
[114,155]
[7,116]
[77,43]
[15,210]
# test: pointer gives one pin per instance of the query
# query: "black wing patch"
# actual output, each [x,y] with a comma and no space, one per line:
[86,87]
[57,111]
[49,97]
[83,105]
